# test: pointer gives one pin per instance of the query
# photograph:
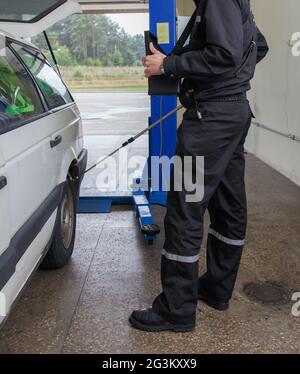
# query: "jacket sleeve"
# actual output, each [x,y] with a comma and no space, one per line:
[262,46]
[223,49]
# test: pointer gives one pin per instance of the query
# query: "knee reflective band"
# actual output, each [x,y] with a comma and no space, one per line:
[184,259]
[222,238]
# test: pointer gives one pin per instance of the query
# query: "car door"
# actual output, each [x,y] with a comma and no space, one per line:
[4,210]
[64,127]
[4,224]
[30,189]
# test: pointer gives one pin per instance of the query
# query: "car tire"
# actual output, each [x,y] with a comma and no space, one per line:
[63,240]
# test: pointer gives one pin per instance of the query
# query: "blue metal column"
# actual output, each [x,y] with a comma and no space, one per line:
[162,140]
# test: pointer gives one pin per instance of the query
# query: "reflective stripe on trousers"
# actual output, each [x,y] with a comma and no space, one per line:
[184,259]
[223,239]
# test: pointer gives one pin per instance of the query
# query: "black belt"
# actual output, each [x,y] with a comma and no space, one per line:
[194,114]
[240,97]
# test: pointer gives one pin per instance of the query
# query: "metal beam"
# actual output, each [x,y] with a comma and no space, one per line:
[114,6]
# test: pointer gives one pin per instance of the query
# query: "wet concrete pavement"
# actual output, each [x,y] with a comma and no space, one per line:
[109,120]
[84,307]
[113,113]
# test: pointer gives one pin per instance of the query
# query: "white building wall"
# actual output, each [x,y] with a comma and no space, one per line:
[275,96]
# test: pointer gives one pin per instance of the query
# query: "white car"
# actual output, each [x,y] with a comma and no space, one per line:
[42,163]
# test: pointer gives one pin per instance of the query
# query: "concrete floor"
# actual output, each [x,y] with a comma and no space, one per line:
[84,307]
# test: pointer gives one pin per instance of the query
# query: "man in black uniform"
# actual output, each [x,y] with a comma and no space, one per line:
[217,65]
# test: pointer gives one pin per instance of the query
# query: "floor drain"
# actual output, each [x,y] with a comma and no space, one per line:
[268,293]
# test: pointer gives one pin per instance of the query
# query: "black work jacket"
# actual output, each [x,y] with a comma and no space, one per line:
[221,36]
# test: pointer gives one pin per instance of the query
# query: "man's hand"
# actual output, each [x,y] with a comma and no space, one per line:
[153,63]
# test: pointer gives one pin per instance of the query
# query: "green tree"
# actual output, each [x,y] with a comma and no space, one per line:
[82,39]
[117,58]
[63,56]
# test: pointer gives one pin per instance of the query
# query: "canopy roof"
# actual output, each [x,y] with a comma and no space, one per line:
[30,17]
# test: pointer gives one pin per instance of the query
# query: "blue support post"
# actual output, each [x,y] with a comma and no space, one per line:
[162,140]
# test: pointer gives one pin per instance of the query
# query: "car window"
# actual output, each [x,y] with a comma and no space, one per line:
[55,91]
[19,99]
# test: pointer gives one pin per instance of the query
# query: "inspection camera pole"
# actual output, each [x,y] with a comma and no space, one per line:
[134,138]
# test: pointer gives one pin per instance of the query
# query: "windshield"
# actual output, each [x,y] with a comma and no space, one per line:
[26,11]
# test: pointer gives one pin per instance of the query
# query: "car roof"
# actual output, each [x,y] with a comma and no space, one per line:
[21,40]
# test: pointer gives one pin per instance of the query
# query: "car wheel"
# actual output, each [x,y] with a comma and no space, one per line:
[62,245]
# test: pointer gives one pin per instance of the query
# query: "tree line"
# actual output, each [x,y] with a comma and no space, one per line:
[93,40]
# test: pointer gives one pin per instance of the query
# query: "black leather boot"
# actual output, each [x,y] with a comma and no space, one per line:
[148,320]
[204,296]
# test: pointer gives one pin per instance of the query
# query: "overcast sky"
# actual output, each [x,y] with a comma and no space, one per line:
[132,23]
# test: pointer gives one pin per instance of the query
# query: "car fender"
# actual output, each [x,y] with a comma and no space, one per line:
[69,157]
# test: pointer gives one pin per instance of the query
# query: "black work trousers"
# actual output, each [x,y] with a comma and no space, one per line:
[219,139]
